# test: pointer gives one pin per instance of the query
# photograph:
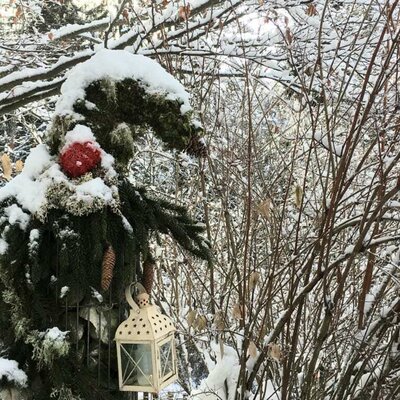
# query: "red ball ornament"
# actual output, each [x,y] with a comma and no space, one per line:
[79,158]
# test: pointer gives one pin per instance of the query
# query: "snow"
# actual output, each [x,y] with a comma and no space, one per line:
[119,65]
[369,301]
[27,73]
[348,250]
[107,163]
[393,203]
[27,190]
[226,369]
[80,134]
[37,161]
[323,140]
[365,379]
[34,235]
[197,3]
[10,371]
[386,310]
[64,291]
[97,295]
[370,297]
[94,188]
[271,392]
[89,5]
[90,106]
[127,225]
[55,335]
[394,349]
[71,29]
[5,68]
[3,246]
[17,216]
[27,87]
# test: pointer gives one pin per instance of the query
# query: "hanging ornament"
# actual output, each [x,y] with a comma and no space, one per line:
[107,269]
[80,158]
[148,275]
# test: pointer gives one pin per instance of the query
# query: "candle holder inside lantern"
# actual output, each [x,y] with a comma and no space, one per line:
[145,347]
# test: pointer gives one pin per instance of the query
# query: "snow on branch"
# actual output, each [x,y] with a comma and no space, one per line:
[36,74]
[72,30]
[27,89]
[319,276]
[142,32]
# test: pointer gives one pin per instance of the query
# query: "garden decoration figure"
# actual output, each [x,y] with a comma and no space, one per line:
[74,225]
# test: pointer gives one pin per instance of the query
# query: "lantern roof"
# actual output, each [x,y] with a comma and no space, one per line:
[145,322]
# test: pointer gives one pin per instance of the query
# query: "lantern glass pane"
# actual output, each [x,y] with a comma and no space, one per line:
[166,359]
[136,364]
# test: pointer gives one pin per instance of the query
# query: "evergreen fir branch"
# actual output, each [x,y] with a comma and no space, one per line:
[143,211]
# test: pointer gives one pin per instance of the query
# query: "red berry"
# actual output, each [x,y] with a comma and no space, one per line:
[79,158]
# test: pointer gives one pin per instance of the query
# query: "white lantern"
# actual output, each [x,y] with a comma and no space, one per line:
[145,347]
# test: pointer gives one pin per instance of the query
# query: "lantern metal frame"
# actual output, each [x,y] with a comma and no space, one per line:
[146,325]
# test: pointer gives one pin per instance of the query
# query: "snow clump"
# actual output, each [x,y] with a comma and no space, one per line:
[10,371]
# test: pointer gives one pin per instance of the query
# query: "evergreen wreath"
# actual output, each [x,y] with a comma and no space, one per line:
[86,224]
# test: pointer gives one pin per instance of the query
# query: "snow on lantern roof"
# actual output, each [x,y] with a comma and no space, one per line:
[119,65]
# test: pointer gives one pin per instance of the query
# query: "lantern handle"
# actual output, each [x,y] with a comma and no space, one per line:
[128,294]
[129,299]
[140,288]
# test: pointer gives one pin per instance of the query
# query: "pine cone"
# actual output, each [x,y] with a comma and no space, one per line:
[196,147]
[107,267]
[148,275]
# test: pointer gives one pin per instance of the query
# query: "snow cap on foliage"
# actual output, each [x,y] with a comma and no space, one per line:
[55,335]
[119,65]
[15,215]
[26,188]
[80,134]
[10,371]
